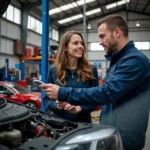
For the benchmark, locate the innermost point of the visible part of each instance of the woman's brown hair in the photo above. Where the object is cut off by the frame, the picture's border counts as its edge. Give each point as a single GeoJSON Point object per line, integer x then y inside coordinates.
{"type": "Point", "coordinates": [84, 69]}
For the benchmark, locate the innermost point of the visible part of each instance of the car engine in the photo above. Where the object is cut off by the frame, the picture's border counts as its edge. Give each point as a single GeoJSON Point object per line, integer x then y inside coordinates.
{"type": "Point", "coordinates": [19, 125]}
{"type": "Point", "coordinates": [25, 128]}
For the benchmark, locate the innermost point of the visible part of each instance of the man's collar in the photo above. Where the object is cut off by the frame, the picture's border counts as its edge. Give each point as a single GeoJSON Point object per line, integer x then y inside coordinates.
{"type": "Point", "coordinates": [117, 55]}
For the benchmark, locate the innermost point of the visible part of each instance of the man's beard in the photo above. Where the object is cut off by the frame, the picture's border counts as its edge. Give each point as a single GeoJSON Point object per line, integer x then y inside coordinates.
{"type": "Point", "coordinates": [112, 48]}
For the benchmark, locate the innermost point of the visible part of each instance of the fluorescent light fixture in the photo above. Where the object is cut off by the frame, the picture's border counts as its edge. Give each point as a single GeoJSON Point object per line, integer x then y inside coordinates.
{"type": "Point", "coordinates": [66, 7]}
{"type": "Point", "coordinates": [54, 11]}
{"type": "Point", "coordinates": [76, 17]}
{"type": "Point", "coordinates": [64, 20]}
{"type": "Point", "coordinates": [81, 2]}
{"type": "Point", "coordinates": [111, 5]}
{"type": "Point", "coordinates": [69, 6]}
{"type": "Point", "coordinates": [79, 16]}
{"type": "Point", "coordinates": [117, 3]}
{"type": "Point", "coordinates": [93, 11]}
{"type": "Point", "coordinates": [123, 2]}
{"type": "Point", "coordinates": [74, 4]}
{"type": "Point", "coordinates": [70, 19]}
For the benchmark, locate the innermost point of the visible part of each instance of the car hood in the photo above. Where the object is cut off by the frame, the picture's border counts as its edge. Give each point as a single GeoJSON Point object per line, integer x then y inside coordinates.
{"type": "Point", "coordinates": [34, 94]}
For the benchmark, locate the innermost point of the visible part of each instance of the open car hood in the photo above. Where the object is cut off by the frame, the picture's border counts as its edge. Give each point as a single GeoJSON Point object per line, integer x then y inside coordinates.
{"type": "Point", "coordinates": [3, 6]}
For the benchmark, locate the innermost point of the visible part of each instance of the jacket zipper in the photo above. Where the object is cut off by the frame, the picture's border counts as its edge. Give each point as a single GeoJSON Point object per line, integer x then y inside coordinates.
{"type": "Point", "coordinates": [72, 78]}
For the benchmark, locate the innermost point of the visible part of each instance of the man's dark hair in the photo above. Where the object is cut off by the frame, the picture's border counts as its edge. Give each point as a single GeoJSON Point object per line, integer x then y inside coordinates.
{"type": "Point", "coordinates": [115, 21]}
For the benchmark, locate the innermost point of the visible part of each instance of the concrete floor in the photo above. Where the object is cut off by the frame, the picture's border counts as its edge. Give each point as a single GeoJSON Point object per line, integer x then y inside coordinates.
{"type": "Point", "coordinates": [147, 145]}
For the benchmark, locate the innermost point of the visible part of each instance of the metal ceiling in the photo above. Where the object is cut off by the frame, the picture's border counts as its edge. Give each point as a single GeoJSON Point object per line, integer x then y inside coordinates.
{"type": "Point", "coordinates": [137, 6]}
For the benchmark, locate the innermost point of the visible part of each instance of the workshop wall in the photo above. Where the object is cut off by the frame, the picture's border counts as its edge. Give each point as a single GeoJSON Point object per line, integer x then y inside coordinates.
{"type": "Point", "coordinates": [10, 30]}
{"type": "Point", "coordinates": [12, 60]}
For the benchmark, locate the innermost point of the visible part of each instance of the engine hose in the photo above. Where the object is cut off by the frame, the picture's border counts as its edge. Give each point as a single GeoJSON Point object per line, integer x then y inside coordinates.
{"type": "Point", "coordinates": [40, 130]}
{"type": "Point", "coordinates": [43, 124]}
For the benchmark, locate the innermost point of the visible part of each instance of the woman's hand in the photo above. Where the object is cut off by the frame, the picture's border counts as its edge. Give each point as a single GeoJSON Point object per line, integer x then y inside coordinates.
{"type": "Point", "coordinates": [72, 108]}
{"type": "Point", "coordinates": [60, 105]}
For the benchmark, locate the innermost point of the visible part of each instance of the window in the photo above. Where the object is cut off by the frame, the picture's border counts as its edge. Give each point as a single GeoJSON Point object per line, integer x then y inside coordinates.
{"type": "Point", "coordinates": [96, 47]}
{"type": "Point", "coordinates": [13, 14]}
{"type": "Point", "coordinates": [142, 45]}
{"type": "Point", "coordinates": [37, 26]}
{"type": "Point", "coordinates": [40, 27]}
{"type": "Point", "coordinates": [138, 45]}
{"type": "Point", "coordinates": [10, 13]}
{"type": "Point", "coordinates": [2, 90]}
{"type": "Point", "coordinates": [55, 35]}
{"type": "Point", "coordinates": [4, 15]}
{"type": "Point", "coordinates": [17, 16]}
{"type": "Point", "coordinates": [29, 22]}
{"type": "Point", "coordinates": [145, 45]}
{"type": "Point", "coordinates": [34, 24]}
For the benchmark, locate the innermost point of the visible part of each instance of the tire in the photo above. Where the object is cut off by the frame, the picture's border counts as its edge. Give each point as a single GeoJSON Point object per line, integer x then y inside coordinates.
{"type": "Point", "coordinates": [31, 104]}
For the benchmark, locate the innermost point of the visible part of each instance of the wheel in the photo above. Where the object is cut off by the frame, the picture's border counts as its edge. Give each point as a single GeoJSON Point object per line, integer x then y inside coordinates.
{"type": "Point", "coordinates": [31, 104]}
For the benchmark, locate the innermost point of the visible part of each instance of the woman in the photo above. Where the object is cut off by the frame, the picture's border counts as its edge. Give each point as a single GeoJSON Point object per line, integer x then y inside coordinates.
{"type": "Point", "coordinates": [71, 69]}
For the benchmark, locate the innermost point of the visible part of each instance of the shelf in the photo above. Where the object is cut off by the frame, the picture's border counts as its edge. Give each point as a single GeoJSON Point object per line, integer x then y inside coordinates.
{"type": "Point", "coordinates": [37, 58]}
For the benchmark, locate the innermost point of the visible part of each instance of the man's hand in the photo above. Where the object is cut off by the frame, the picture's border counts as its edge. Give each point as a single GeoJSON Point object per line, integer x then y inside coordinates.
{"type": "Point", "coordinates": [72, 108]}
{"type": "Point", "coordinates": [51, 90]}
{"type": "Point", "coordinates": [60, 105]}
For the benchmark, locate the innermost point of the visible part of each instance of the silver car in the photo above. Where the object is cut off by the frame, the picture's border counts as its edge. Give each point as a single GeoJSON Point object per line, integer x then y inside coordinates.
{"type": "Point", "coordinates": [26, 128]}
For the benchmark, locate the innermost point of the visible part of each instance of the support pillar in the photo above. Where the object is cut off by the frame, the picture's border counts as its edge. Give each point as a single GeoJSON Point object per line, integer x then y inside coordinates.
{"type": "Point", "coordinates": [45, 43]}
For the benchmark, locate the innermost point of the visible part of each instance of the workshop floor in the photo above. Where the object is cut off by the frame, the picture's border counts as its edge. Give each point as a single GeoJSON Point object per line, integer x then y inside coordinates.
{"type": "Point", "coordinates": [95, 120]}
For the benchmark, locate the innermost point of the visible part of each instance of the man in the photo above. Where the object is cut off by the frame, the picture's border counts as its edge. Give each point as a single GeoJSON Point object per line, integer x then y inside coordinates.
{"type": "Point", "coordinates": [124, 95]}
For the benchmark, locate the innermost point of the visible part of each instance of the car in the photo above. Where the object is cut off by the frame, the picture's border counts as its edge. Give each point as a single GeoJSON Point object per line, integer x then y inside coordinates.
{"type": "Point", "coordinates": [16, 92]}
{"type": "Point", "coordinates": [26, 128]}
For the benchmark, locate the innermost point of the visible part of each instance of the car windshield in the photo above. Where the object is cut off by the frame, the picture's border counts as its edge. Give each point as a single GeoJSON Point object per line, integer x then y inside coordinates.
{"type": "Point", "coordinates": [18, 88]}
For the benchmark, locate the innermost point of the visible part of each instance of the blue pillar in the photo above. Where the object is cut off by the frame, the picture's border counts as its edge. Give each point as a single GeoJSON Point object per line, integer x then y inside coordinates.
{"type": "Point", "coordinates": [45, 43]}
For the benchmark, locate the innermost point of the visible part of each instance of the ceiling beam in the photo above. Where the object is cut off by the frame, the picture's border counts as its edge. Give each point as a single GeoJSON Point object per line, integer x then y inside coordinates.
{"type": "Point", "coordinates": [142, 19]}
{"type": "Point", "coordinates": [55, 21]}
{"type": "Point", "coordinates": [81, 10]}
{"type": "Point", "coordinates": [100, 16]}
{"type": "Point", "coordinates": [136, 5]}
{"type": "Point", "coordinates": [100, 4]}
{"type": "Point", "coordinates": [33, 5]}
{"type": "Point", "coordinates": [103, 15]}
{"type": "Point", "coordinates": [57, 6]}
{"type": "Point", "coordinates": [147, 14]}
{"type": "Point", "coordinates": [147, 4]}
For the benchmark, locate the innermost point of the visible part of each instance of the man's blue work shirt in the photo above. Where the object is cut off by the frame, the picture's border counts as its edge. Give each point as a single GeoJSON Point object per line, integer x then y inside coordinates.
{"type": "Point", "coordinates": [124, 95]}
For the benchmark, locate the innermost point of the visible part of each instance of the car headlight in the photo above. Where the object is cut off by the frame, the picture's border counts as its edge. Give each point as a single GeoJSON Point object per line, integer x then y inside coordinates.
{"type": "Point", "coordinates": [102, 139]}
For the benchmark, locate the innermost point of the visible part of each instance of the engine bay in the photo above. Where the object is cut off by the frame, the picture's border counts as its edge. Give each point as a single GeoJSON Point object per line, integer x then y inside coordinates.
{"type": "Point", "coordinates": [27, 128]}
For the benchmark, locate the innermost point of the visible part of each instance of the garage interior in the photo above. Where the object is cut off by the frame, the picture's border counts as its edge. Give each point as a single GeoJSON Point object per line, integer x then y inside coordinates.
{"type": "Point", "coordinates": [21, 35]}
